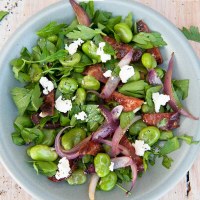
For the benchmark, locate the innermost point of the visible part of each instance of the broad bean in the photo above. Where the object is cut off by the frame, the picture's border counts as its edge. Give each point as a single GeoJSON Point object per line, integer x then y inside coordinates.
{"type": "Point", "coordinates": [68, 85]}
{"type": "Point", "coordinates": [77, 178]}
{"type": "Point", "coordinates": [108, 182]}
{"type": "Point", "coordinates": [90, 83]}
{"type": "Point", "coordinates": [165, 135]}
{"type": "Point", "coordinates": [80, 96]}
{"type": "Point", "coordinates": [136, 127]}
{"type": "Point", "coordinates": [78, 77]}
{"type": "Point", "coordinates": [70, 60]}
{"type": "Point", "coordinates": [148, 61]}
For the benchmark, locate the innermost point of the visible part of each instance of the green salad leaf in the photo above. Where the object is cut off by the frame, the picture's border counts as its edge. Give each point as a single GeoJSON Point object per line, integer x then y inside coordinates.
{"type": "Point", "coordinates": [188, 139]}
{"type": "Point", "coordinates": [192, 33]}
{"type": "Point", "coordinates": [88, 7]}
{"type": "Point", "coordinates": [170, 146]}
{"type": "Point", "coordinates": [129, 20]}
{"type": "Point", "coordinates": [3, 14]}
{"type": "Point", "coordinates": [181, 87]}
{"type": "Point", "coordinates": [167, 161]}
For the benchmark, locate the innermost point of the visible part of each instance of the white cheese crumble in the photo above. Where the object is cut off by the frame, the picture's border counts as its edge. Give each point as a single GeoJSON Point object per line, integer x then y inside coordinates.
{"type": "Point", "coordinates": [111, 167]}
{"type": "Point", "coordinates": [63, 105]}
{"type": "Point", "coordinates": [81, 115]}
{"type": "Point", "coordinates": [126, 72]}
{"type": "Point", "coordinates": [107, 74]}
{"type": "Point", "coordinates": [47, 85]}
{"type": "Point", "coordinates": [159, 100]}
{"type": "Point", "coordinates": [43, 114]}
{"type": "Point", "coordinates": [63, 169]}
{"type": "Point", "coordinates": [104, 57]}
{"type": "Point", "coordinates": [72, 48]}
{"type": "Point", "coordinates": [140, 147]}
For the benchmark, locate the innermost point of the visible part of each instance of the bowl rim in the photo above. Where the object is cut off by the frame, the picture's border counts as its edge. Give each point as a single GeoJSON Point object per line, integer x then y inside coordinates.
{"type": "Point", "coordinates": [168, 184]}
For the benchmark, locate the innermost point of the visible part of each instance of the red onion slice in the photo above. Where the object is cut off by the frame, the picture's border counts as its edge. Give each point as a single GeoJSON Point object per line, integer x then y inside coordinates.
{"type": "Point", "coordinates": [81, 15]}
{"type": "Point", "coordinates": [177, 107]}
{"type": "Point", "coordinates": [92, 186]}
{"type": "Point", "coordinates": [153, 78]}
{"type": "Point", "coordinates": [113, 82]}
{"type": "Point", "coordinates": [116, 112]}
{"type": "Point", "coordinates": [119, 133]}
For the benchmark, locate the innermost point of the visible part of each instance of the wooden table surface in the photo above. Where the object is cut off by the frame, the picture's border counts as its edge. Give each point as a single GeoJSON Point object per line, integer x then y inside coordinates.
{"type": "Point", "coordinates": [179, 12]}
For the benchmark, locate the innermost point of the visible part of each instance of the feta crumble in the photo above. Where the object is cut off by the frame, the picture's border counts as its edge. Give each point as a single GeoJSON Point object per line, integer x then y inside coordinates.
{"type": "Point", "coordinates": [140, 147]}
{"type": "Point", "coordinates": [104, 57]}
{"type": "Point", "coordinates": [63, 105]}
{"type": "Point", "coordinates": [63, 169]}
{"type": "Point", "coordinates": [43, 114]}
{"type": "Point", "coordinates": [81, 115]}
{"type": "Point", "coordinates": [159, 100]}
{"type": "Point", "coordinates": [47, 85]}
{"type": "Point", "coordinates": [107, 74]}
{"type": "Point", "coordinates": [111, 167]}
{"type": "Point", "coordinates": [126, 72]}
{"type": "Point", "coordinates": [72, 48]}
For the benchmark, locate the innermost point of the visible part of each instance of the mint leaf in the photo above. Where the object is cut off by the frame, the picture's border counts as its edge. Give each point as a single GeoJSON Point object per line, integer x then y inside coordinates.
{"type": "Point", "coordinates": [149, 40]}
{"type": "Point", "coordinates": [3, 14]}
{"type": "Point", "coordinates": [192, 33]}
{"type": "Point", "coordinates": [50, 29]}
{"type": "Point", "coordinates": [84, 32]}
{"type": "Point", "coordinates": [22, 98]}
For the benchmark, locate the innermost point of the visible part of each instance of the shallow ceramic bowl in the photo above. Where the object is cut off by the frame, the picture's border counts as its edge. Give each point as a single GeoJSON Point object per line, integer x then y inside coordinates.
{"type": "Point", "coordinates": [158, 180]}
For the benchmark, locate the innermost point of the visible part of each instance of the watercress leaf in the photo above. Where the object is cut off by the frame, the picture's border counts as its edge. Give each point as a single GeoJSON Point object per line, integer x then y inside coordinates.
{"type": "Point", "coordinates": [112, 22]}
{"type": "Point", "coordinates": [89, 8]}
{"type": "Point", "coordinates": [22, 98]}
{"type": "Point", "coordinates": [71, 27]}
{"type": "Point", "coordinates": [22, 121]}
{"type": "Point", "coordinates": [149, 40]}
{"type": "Point", "coordinates": [129, 20]}
{"type": "Point", "coordinates": [36, 100]}
{"type": "Point", "coordinates": [101, 17]}
{"type": "Point", "coordinates": [170, 146]}
{"type": "Point", "coordinates": [124, 174]}
{"type": "Point", "coordinates": [146, 160]}
{"type": "Point", "coordinates": [126, 118]}
{"type": "Point", "coordinates": [17, 66]}
{"type": "Point", "coordinates": [181, 87]}
{"type": "Point", "coordinates": [192, 33]}
{"type": "Point", "coordinates": [25, 54]}
{"type": "Point", "coordinates": [17, 139]}
{"type": "Point", "coordinates": [167, 161]}
{"type": "Point", "coordinates": [3, 14]}
{"type": "Point", "coordinates": [188, 139]}
{"type": "Point", "coordinates": [50, 29]}
{"type": "Point", "coordinates": [84, 32]}
{"type": "Point", "coordinates": [46, 168]}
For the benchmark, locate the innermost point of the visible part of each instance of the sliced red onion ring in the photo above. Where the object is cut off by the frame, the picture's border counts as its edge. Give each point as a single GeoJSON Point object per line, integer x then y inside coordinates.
{"type": "Point", "coordinates": [113, 82]}
{"type": "Point", "coordinates": [177, 107]}
{"type": "Point", "coordinates": [106, 113]}
{"type": "Point", "coordinates": [116, 112]}
{"type": "Point", "coordinates": [94, 92]}
{"type": "Point", "coordinates": [125, 161]}
{"type": "Point", "coordinates": [153, 77]}
{"type": "Point", "coordinates": [119, 133]}
{"type": "Point", "coordinates": [92, 186]}
{"type": "Point", "coordinates": [81, 15]}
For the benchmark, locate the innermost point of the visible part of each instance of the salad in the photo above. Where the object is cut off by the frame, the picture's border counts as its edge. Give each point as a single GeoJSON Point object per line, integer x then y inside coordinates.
{"type": "Point", "coordinates": [97, 100]}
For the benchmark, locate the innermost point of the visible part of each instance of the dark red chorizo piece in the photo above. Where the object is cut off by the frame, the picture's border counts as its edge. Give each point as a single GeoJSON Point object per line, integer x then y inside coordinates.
{"type": "Point", "coordinates": [96, 71]}
{"type": "Point", "coordinates": [91, 148]}
{"type": "Point", "coordinates": [137, 159]}
{"type": "Point", "coordinates": [142, 27]}
{"type": "Point", "coordinates": [164, 121]}
{"type": "Point", "coordinates": [122, 49]}
{"type": "Point", "coordinates": [47, 107]}
{"type": "Point", "coordinates": [129, 103]}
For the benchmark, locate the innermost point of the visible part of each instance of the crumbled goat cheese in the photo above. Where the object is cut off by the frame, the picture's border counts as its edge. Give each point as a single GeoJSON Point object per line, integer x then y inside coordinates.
{"type": "Point", "coordinates": [104, 57]}
{"type": "Point", "coordinates": [111, 167]}
{"type": "Point", "coordinates": [63, 169]}
{"type": "Point", "coordinates": [63, 105]}
{"type": "Point", "coordinates": [107, 74]}
{"type": "Point", "coordinates": [126, 72]}
{"type": "Point", "coordinates": [43, 114]}
{"type": "Point", "coordinates": [140, 147]}
{"type": "Point", "coordinates": [159, 100]}
{"type": "Point", "coordinates": [47, 85]}
{"type": "Point", "coordinates": [72, 48]}
{"type": "Point", "coordinates": [81, 115]}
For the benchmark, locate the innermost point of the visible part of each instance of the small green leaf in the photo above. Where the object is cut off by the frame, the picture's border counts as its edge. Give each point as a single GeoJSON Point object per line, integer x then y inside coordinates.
{"type": "Point", "coordinates": [129, 20]}
{"type": "Point", "coordinates": [192, 33]}
{"type": "Point", "coordinates": [146, 160]}
{"type": "Point", "coordinates": [36, 100]}
{"type": "Point", "coordinates": [3, 14]}
{"type": "Point", "coordinates": [167, 161]}
{"type": "Point", "coordinates": [188, 139]}
{"type": "Point", "coordinates": [170, 146]}
{"type": "Point", "coordinates": [181, 87]}
{"type": "Point", "coordinates": [32, 135]}
{"type": "Point", "coordinates": [17, 139]}
{"type": "Point", "coordinates": [88, 7]}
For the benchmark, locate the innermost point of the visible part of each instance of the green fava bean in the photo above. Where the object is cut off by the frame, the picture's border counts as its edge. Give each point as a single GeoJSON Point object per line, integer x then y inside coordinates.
{"type": "Point", "coordinates": [148, 61]}
{"type": "Point", "coordinates": [77, 178]}
{"type": "Point", "coordinates": [80, 96]}
{"type": "Point", "coordinates": [124, 32]}
{"type": "Point", "coordinates": [43, 153]}
{"type": "Point", "coordinates": [150, 135]}
{"type": "Point", "coordinates": [102, 164]}
{"type": "Point", "coordinates": [165, 135]}
{"type": "Point", "coordinates": [78, 77]}
{"type": "Point", "coordinates": [90, 49]}
{"type": "Point", "coordinates": [49, 137]}
{"type": "Point", "coordinates": [90, 83]}
{"type": "Point", "coordinates": [68, 85]}
{"type": "Point", "coordinates": [70, 60]}
{"type": "Point", "coordinates": [72, 137]}
{"type": "Point", "coordinates": [35, 72]}
{"type": "Point", "coordinates": [136, 127]}
{"type": "Point", "coordinates": [147, 109]}
{"type": "Point", "coordinates": [108, 182]}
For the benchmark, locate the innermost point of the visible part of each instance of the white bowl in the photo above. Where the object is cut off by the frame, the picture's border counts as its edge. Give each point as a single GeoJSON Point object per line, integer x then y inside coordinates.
{"type": "Point", "coordinates": [158, 180]}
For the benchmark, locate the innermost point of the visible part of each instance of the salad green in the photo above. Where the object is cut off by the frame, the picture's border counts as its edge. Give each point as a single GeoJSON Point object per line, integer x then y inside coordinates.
{"type": "Point", "coordinates": [88, 106]}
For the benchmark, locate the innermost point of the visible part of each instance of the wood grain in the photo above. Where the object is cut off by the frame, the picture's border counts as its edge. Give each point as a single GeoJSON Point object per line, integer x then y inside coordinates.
{"type": "Point", "coordinates": [179, 12]}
